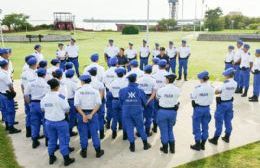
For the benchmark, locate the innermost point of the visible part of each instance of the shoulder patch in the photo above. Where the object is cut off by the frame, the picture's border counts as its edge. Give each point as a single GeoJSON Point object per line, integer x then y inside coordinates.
{"type": "Point", "coordinates": [62, 96]}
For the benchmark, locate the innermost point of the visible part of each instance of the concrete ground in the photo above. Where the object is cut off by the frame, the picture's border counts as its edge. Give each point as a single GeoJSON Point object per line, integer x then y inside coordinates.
{"type": "Point", "coordinates": [246, 129]}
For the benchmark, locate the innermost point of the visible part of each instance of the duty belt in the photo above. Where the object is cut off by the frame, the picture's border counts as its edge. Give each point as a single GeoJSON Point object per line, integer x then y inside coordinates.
{"type": "Point", "coordinates": [175, 108]}
{"type": "Point", "coordinates": [71, 99]}
{"type": "Point", "coordinates": [36, 101]}
{"type": "Point", "coordinates": [244, 68]}
{"type": "Point", "coordinates": [173, 58]}
{"type": "Point", "coordinates": [257, 72]}
{"type": "Point", "coordinates": [116, 98]}
{"type": "Point", "coordinates": [72, 58]}
{"type": "Point", "coordinates": [228, 62]}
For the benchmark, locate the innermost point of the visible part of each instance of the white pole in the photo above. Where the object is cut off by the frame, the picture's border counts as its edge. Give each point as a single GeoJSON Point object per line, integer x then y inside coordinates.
{"type": "Point", "coordinates": [182, 13]}
{"type": "Point", "coordinates": [1, 31]}
{"type": "Point", "coordinates": [148, 18]}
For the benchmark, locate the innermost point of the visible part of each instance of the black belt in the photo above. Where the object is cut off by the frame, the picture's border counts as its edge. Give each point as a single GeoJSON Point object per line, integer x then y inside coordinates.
{"type": "Point", "coordinates": [257, 72]}
{"type": "Point", "coordinates": [244, 68]}
{"type": "Point", "coordinates": [36, 101]}
{"type": "Point", "coordinates": [228, 62]}
{"type": "Point", "coordinates": [144, 57]}
{"type": "Point", "coordinates": [130, 59]}
{"type": "Point", "coordinates": [4, 94]}
{"type": "Point", "coordinates": [72, 58]}
{"type": "Point", "coordinates": [175, 108]}
{"type": "Point", "coordinates": [218, 100]}
{"type": "Point", "coordinates": [173, 58]}
{"type": "Point", "coordinates": [115, 98]}
{"type": "Point", "coordinates": [87, 111]}
{"type": "Point", "coordinates": [149, 95]}
{"type": "Point", "coordinates": [202, 106]}
{"type": "Point", "coordinates": [183, 58]}
{"type": "Point", "coordinates": [71, 99]}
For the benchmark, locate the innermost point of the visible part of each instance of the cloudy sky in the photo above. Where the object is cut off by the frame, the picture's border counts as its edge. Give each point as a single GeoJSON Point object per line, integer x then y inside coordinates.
{"type": "Point", "coordinates": [121, 9]}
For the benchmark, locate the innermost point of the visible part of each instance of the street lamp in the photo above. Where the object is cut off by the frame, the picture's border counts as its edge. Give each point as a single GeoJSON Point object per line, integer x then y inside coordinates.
{"type": "Point", "coordinates": [148, 20]}
{"type": "Point", "coordinates": [1, 30]}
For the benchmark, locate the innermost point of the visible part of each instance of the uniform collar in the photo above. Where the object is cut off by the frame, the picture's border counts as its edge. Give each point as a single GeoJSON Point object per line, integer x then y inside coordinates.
{"type": "Point", "coordinates": [133, 84]}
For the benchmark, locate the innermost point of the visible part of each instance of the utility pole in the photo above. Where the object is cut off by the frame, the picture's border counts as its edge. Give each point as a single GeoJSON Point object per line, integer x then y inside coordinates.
{"type": "Point", "coordinates": [1, 30]}
{"type": "Point", "coordinates": [148, 21]}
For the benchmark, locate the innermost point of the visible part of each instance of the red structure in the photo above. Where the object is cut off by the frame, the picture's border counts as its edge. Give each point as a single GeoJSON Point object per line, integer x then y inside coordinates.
{"type": "Point", "coordinates": [63, 20]}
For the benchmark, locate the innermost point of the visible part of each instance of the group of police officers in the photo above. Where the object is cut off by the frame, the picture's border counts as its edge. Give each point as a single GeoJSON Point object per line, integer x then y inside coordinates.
{"type": "Point", "coordinates": [128, 95]}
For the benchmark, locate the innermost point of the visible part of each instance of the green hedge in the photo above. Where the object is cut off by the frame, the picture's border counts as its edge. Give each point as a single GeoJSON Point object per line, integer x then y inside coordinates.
{"type": "Point", "coordinates": [130, 30]}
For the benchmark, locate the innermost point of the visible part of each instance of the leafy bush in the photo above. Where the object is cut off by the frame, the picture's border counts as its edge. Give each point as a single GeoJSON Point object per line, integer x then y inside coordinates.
{"type": "Point", "coordinates": [130, 30]}
{"type": "Point", "coordinates": [255, 26]}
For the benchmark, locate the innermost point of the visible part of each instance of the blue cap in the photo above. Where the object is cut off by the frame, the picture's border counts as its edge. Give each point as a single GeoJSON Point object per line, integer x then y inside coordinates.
{"type": "Point", "coordinates": [156, 60]}
{"type": "Point", "coordinates": [231, 47]}
{"type": "Point", "coordinates": [246, 46]}
{"type": "Point", "coordinates": [43, 64]}
{"type": "Point", "coordinates": [162, 63]}
{"type": "Point", "coordinates": [69, 73]}
{"type": "Point", "coordinates": [4, 51]}
{"type": "Point", "coordinates": [94, 57]}
{"type": "Point", "coordinates": [240, 42]}
{"type": "Point", "coordinates": [134, 63]}
{"type": "Point", "coordinates": [132, 77]}
{"type": "Point", "coordinates": [113, 61]}
{"type": "Point", "coordinates": [41, 72]}
{"type": "Point", "coordinates": [37, 46]}
{"type": "Point", "coordinates": [148, 68]}
{"type": "Point", "coordinates": [257, 51]}
{"type": "Point", "coordinates": [55, 61]}
{"type": "Point", "coordinates": [68, 65]}
{"type": "Point", "coordinates": [228, 72]}
{"type": "Point", "coordinates": [3, 63]}
{"type": "Point", "coordinates": [203, 74]}
{"type": "Point", "coordinates": [171, 76]}
{"type": "Point", "coordinates": [58, 73]}
{"type": "Point", "coordinates": [8, 50]}
{"type": "Point", "coordinates": [93, 69]}
{"type": "Point", "coordinates": [28, 57]}
{"type": "Point", "coordinates": [120, 70]}
{"type": "Point", "coordinates": [183, 41]}
{"type": "Point", "coordinates": [32, 61]}
{"type": "Point", "coordinates": [85, 78]}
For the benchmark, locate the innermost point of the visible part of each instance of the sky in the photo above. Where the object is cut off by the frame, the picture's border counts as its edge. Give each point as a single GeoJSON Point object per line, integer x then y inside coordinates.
{"type": "Point", "coordinates": [121, 9]}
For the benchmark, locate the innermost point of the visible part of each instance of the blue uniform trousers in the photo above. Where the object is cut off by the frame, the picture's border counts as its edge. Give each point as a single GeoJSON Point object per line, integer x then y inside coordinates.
{"type": "Point", "coordinates": [200, 122]}
{"type": "Point", "coordinates": [27, 114]}
{"type": "Point", "coordinates": [101, 114]}
{"type": "Point", "coordinates": [183, 66]}
{"type": "Point", "coordinates": [37, 119]}
{"type": "Point", "coordinates": [173, 65]}
{"type": "Point", "coordinates": [256, 84]}
{"type": "Point", "coordinates": [148, 114]}
{"type": "Point", "coordinates": [8, 110]}
{"type": "Point", "coordinates": [224, 113]}
{"type": "Point", "coordinates": [166, 119]}
{"type": "Point", "coordinates": [237, 73]}
{"type": "Point", "coordinates": [62, 64]}
{"type": "Point", "coordinates": [75, 62]}
{"type": "Point", "coordinates": [58, 130]}
{"type": "Point", "coordinates": [3, 107]}
{"type": "Point", "coordinates": [155, 110]}
{"type": "Point", "coordinates": [108, 60]}
{"type": "Point", "coordinates": [133, 117]}
{"type": "Point", "coordinates": [244, 78]}
{"type": "Point", "coordinates": [143, 62]}
{"type": "Point", "coordinates": [228, 65]}
{"type": "Point", "coordinates": [108, 106]}
{"type": "Point", "coordinates": [72, 114]}
{"type": "Point", "coordinates": [91, 126]}
{"type": "Point", "coordinates": [117, 114]}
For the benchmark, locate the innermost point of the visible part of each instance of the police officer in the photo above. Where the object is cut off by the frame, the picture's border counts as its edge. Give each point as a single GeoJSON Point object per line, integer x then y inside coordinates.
{"type": "Point", "coordinates": [72, 51]}
{"type": "Point", "coordinates": [171, 51]}
{"type": "Point", "coordinates": [28, 75]}
{"type": "Point", "coordinates": [109, 76]}
{"type": "Point", "coordinates": [168, 107]}
{"type": "Point", "coordinates": [148, 84]}
{"type": "Point", "coordinates": [144, 55]}
{"type": "Point", "coordinates": [119, 83]}
{"type": "Point", "coordinates": [61, 55]}
{"type": "Point", "coordinates": [95, 63]}
{"type": "Point", "coordinates": [160, 79]}
{"type": "Point", "coordinates": [133, 100]}
{"type": "Point", "coordinates": [156, 50]}
{"type": "Point", "coordinates": [110, 51]}
{"type": "Point", "coordinates": [245, 69]}
{"type": "Point", "coordinates": [237, 60]}
{"type": "Point", "coordinates": [7, 95]}
{"type": "Point", "coordinates": [131, 53]}
{"type": "Point", "coordinates": [256, 72]}
{"type": "Point", "coordinates": [224, 111]}
{"type": "Point", "coordinates": [58, 74]}
{"type": "Point", "coordinates": [163, 55]}
{"type": "Point", "coordinates": [155, 65]}
{"type": "Point", "coordinates": [54, 107]}
{"type": "Point", "coordinates": [202, 98]}
{"type": "Point", "coordinates": [87, 102]}
{"type": "Point", "coordinates": [183, 56]}
{"type": "Point", "coordinates": [38, 52]}
{"type": "Point", "coordinates": [5, 54]}
{"type": "Point", "coordinates": [55, 64]}
{"type": "Point", "coordinates": [122, 58]}
{"type": "Point", "coordinates": [134, 69]}
{"type": "Point", "coordinates": [229, 60]}
{"type": "Point", "coordinates": [33, 93]}
{"type": "Point", "coordinates": [71, 87]}
{"type": "Point", "coordinates": [43, 64]}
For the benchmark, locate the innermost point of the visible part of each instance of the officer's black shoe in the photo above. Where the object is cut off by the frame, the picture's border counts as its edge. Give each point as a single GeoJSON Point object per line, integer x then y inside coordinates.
{"type": "Point", "coordinates": [41, 137]}
{"type": "Point", "coordinates": [202, 145]}
{"type": "Point", "coordinates": [28, 132]}
{"type": "Point", "coordinates": [101, 134]}
{"type": "Point", "coordinates": [238, 90]}
{"type": "Point", "coordinates": [251, 97]}
{"type": "Point", "coordinates": [46, 141]}
{"type": "Point", "coordinates": [108, 125]}
{"type": "Point", "coordinates": [114, 135]}
{"type": "Point", "coordinates": [214, 140]}
{"type": "Point", "coordinates": [35, 143]}
{"type": "Point", "coordinates": [179, 78]}
{"type": "Point", "coordinates": [254, 99]}
{"type": "Point", "coordinates": [148, 133]}
{"type": "Point", "coordinates": [245, 93]}
{"type": "Point", "coordinates": [185, 78]}
{"type": "Point", "coordinates": [16, 122]}
{"type": "Point", "coordinates": [72, 134]}
{"type": "Point", "coordinates": [225, 138]}
{"type": "Point", "coordinates": [6, 126]}
{"type": "Point", "coordinates": [196, 146]}
{"type": "Point", "coordinates": [120, 126]}
{"type": "Point", "coordinates": [68, 160]}
{"type": "Point", "coordinates": [71, 149]}
{"type": "Point", "coordinates": [154, 128]}
{"type": "Point", "coordinates": [99, 152]}
{"type": "Point", "coordinates": [172, 147]}
{"type": "Point", "coordinates": [13, 130]}
{"type": "Point", "coordinates": [52, 159]}
{"type": "Point", "coordinates": [124, 135]}
{"type": "Point", "coordinates": [164, 148]}
{"type": "Point", "coordinates": [146, 145]}
{"type": "Point", "coordinates": [83, 153]}
{"type": "Point", "coordinates": [137, 134]}
{"type": "Point", "coordinates": [132, 147]}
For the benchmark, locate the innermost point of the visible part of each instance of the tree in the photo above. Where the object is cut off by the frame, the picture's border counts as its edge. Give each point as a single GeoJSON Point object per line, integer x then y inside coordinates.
{"type": "Point", "coordinates": [16, 21]}
{"type": "Point", "coordinates": [214, 20]}
{"type": "Point", "coordinates": [167, 24]}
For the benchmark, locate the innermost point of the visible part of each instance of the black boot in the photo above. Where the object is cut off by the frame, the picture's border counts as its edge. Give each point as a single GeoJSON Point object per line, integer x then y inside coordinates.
{"type": "Point", "coordinates": [6, 126]}
{"type": "Point", "coordinates": [13, 130]}
{"type": "Point", "coordinates": [16, 123]}
{"type": "Point", "coordinates": [120, 126]}
{"type": "Point", "coordinates": [214, 140]}
{"type": "Point", "coordinates": [196, 146]}
{"type": "Point", "coordinates": [132, 147]}
{"type": "Point", "coordinates": [101, 134]}
{"type": "Point", "coordinates": [124, 135]}
{"type": "Point", "coordinates": [148, 132]}
{"type": "Point", "coordinates": [99, 152]}
{"type": "Point", "coordinates": [179, 78]}
{"type": "Point", "coordinates": [254, 99]}
{"type": "Point", "coordinates": [154, 128]}
{"type": "Point", "coordinates": [68, 160]}
{"type": "Point", "coordinates": [202, 145]}
{"type": "Point", "coordinates": [71, 149]}
{"type": "Point", "coordinates": [108, 125]}
{"type": "Point", "coordinates": [114, 135]}
{"type": "Point", "coordinates": [72, 133]}
{"type": "Point", "coordinates": [28, 132]}
{"type": "Point", "coordinates": [238, 90]}
{"type": "Point", "coordinates": [83, 153]}
{"type": "Point", "coordinates": [146, 145]}
{"type": "Point", "coordinates": [137, 134]}
{"type": "Point", "coordinates": [226, 138]}
{"type": "Point", "coordinates": [46, 141]}
{"type": "Point", "coordinates": [245, 93]}
{"type": "Point", "coordinates": [164, 148]}
{"type": "Point", "coordinates": [172, 147]}
{"type": "Point", "coordinates": [52, 159]}
{"type": "Point", "coordinates": [35, 143]}
{"type": "Point", "coordinates": [185, 78]}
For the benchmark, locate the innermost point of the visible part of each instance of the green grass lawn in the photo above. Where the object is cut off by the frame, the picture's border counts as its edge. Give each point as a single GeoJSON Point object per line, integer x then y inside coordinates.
{"type": "Point", "coordinates": [205, 55]}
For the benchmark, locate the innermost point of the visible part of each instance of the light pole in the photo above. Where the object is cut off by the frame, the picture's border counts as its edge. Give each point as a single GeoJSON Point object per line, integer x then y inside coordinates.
{"type": "Point", "coordinates": [1, 30]}
{"type": "Point", "coordinates": [182, 12]}
{"type": "Point", "coordinates": [147, 21]}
